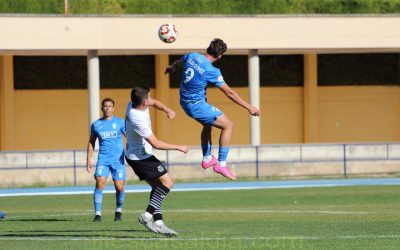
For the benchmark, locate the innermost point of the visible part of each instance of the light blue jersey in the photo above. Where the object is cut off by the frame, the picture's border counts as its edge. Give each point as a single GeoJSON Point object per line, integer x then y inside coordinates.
{"type": "Point", "coordinates": [109, 133]}
{"type": "Point", "coordinates": [111, 157]}
{"type": "Point", "coordinates": [197, 72]}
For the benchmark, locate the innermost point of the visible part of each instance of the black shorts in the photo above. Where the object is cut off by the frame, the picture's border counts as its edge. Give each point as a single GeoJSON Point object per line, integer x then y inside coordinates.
{"type": "Point", "coordinates": [147, 169]}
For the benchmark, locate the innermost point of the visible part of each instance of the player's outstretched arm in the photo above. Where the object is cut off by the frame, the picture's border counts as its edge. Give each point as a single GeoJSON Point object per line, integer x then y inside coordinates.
{"type": "Point", "coordinates": [231, 94]}
{"type": "Point", "coordinates": [89, 152]}
{"type": "Point", "coordinates": [159, 105]}
{"type": "Point", "coordinates": [158, 144]}
{"type": "Point", "coordinates": [174, 66]}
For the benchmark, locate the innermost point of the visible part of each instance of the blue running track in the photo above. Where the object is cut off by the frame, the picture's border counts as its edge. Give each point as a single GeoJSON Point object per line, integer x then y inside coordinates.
{"type": "Point", "coordinates": [229, 185]}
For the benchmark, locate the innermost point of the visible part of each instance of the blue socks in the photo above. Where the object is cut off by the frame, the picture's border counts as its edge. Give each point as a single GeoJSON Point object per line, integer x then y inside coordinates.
{"type": "Point", "coordinates": [119, 198]}
{"type": "Point", "coordinates": [222, 155]}
{"type": "Point", "coordinates": [98, 200]}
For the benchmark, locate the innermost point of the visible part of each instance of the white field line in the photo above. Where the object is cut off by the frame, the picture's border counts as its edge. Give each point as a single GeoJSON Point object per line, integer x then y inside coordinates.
{"type": "Point", "coordinates": [175, 190]}
{"type": "Point", "coordinates": [89, 212]}
{"type": "Point", "coordinates": [66, 238]}
{"type": "Point", "coordinates": [266, 211]}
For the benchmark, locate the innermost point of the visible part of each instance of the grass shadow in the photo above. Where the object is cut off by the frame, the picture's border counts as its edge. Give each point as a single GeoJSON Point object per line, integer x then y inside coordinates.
{"type": "Point", "coordinates": [84, 234]}
{"type": "Point", "coordinates": [40, 219]}
{"type": "Point", "coordinates": [34, 235]}
{"type": "Point", "coordinates": [79, 231]}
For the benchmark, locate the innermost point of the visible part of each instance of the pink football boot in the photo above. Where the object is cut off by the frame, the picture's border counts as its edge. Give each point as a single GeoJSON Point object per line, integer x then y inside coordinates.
{"type": "Point", "coordinates": [224, 171]}
{"type": "Point", "coordinates": [212, 162]}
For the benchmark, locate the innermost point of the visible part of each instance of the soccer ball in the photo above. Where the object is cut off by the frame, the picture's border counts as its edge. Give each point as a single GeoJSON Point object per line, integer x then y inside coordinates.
{"type": "Point", "coordinates": [167, 33]}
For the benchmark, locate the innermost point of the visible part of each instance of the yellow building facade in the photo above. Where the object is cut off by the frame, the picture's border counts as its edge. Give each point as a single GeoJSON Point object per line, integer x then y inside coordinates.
{"type": "Point", "coordinates": [58, 119]}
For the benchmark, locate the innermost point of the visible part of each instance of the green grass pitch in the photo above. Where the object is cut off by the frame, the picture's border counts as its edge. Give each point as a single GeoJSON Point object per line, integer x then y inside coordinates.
{"type": "Point", "coordinates": [365, 217]}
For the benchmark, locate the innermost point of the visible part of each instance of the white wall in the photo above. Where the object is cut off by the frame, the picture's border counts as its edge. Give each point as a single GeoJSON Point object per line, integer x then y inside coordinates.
{"type": "Point", "coordinates": [274, 160]}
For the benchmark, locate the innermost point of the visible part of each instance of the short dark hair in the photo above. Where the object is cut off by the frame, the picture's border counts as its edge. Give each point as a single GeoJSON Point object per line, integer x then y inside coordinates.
{"type": "Point", "coordinates": [138, 94]}
{"type": "Point", "coordinates": [217, 47]}
{"type": "Point", "coordinates": [107, 100]}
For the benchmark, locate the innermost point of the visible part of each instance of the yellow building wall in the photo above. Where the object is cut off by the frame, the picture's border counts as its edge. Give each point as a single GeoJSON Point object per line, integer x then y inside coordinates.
{"type": "Point", "coordinates": [50, 119]}
{"type": "Point", "coordinates": [281, 115]}
{"type": "Point", "coordinates": [310, 101]}
{"type": "Point", "coordinates": [58, 119]}
{"type": "Point", "coordinates": [358, 114]}
{"type": "Point", "coordinates": [6, 102]}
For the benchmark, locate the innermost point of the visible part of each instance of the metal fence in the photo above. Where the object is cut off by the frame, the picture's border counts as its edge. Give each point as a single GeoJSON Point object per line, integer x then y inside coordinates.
{"type": "Point", "coordinates": [250, 161]}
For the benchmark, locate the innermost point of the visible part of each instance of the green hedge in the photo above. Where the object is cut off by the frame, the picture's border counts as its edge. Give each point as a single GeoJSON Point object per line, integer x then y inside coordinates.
{"type": "Point", "coordinates": [202, 6]}
{"type": "Point", "coordinates": [32, 6]}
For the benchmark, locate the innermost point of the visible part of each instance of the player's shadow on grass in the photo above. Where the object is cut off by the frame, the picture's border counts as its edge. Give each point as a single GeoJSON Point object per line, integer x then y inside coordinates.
{"type": "Point", "coordinates": [77, 234]}
{"type": "Point", "coordinates": [80, 231]}
{"type": "Point", "coordinates": [40, 219]}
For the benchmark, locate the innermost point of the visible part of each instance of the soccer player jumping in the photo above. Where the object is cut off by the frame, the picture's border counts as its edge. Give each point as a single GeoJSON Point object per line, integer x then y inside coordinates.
{"type": "Point", "coordinates": [197, 72]}
{"type": "Point", "coordinates": [109, 129]}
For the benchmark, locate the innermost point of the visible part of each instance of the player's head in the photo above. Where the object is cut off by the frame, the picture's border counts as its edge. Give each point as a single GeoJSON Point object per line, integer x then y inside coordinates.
{"type": "Point", "coordinates": [107, 106]}
{"type": "Point", "coordinates": [217, 48]}
{"type": "Point", "coordinates": [139, 96]}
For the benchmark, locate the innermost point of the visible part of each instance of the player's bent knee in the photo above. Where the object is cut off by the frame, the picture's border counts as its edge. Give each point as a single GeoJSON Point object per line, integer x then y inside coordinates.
{"type": "Point", "coordinates": [167, 181]}
{"type": "Point", "coordinates": [227, 124]}
{"type": "Point", "coordinates": [119, 188]}
{"type": "Point", "coordinates": [100, 183]}
{"type": "Point", "coordinates": [231, 125]}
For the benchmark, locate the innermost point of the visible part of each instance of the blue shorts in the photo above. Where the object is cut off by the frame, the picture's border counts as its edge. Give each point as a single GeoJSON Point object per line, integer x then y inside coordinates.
{"type": "Point", "coordinates": [118, 170]}
{"type": "Point", "coordinates": [201, 111]}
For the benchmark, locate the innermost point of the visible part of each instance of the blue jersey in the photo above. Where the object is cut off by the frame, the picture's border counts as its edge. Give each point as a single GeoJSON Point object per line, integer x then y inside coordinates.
{"type": "Point", "coordinates": [111, 144]}
{"type": "Point", "coordinates": [197, 72]}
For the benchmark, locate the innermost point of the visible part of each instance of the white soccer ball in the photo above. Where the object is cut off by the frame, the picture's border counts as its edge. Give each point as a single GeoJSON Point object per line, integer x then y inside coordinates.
{"type": "Point", "coordinates": [168, 33]}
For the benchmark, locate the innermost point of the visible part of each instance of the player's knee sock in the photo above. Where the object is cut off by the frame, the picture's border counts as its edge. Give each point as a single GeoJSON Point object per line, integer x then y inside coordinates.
{"type": "Point", "coordinates": [147, 213]}
{"type": "Point", "coordinates": [98, 200]}
{"type": "Point", "coordinates": [222, 155]}
{"type": "Point", "coordinates": [206, 148]}
{"type": "Point", "coordinates": [119, 198]}
{"type": "Point", "coordinates": [159, 220]}
{"type": "Point", "coordinates": [154, 207]}
{"type": "Point", "coordinates": [151, 193]}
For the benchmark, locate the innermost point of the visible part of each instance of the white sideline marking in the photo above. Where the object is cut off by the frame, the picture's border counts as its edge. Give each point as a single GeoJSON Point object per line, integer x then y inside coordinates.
{"type": "Point", "coordinates": [89, 212]}
{"type": "Point", "coordinates": [265, 211]}
{"type": "Point", "coordinates": [57, 238]}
